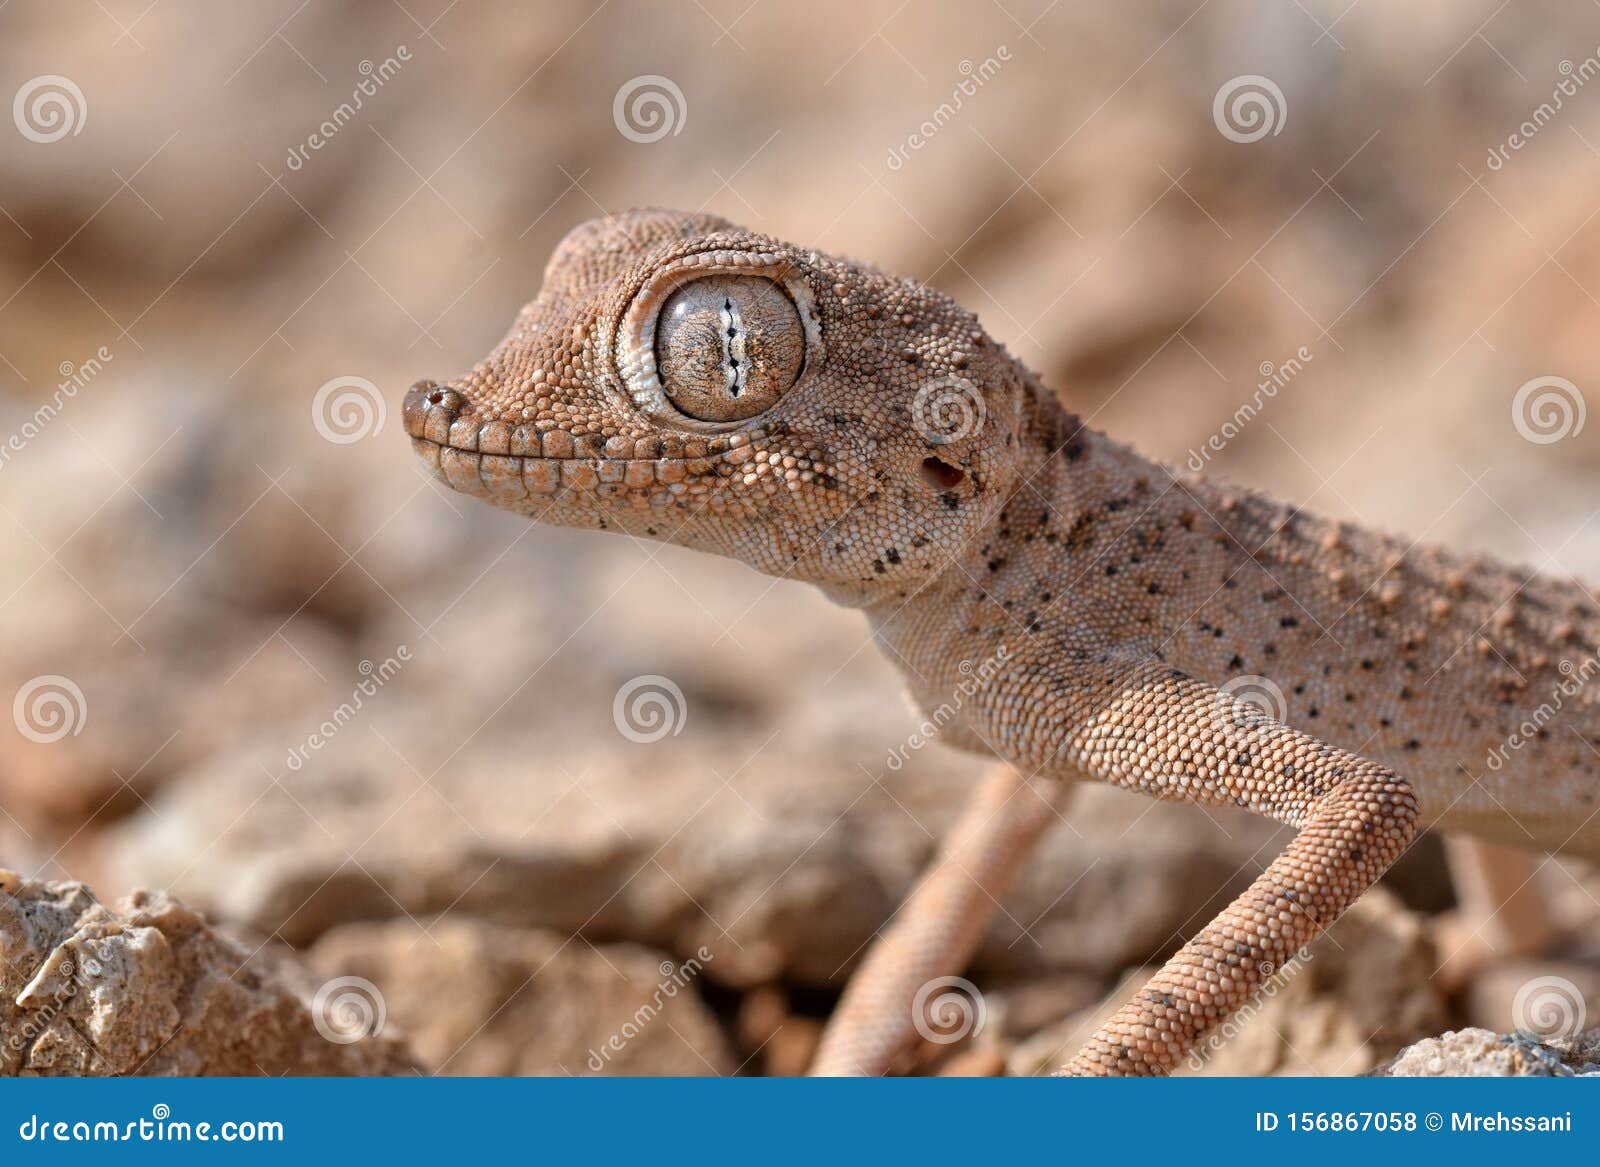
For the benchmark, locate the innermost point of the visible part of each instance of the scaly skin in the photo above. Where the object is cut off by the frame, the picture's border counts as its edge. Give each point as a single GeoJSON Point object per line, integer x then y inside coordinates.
{"type": "Point", "coordinates": [1053, 598]}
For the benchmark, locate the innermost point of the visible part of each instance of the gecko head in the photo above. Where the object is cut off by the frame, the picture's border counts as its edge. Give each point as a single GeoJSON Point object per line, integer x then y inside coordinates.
{"type": "Point", "coordinates": [679, 378]}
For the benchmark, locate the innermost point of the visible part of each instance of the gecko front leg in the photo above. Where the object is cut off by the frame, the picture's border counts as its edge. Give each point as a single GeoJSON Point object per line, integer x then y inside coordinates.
{"type": "Point", "coordinates": [940, 924]}
{"type": "Point", "coordinates": [1136, 722]}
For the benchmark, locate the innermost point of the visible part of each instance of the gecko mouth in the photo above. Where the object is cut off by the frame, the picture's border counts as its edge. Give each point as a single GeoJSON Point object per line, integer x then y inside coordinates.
{"type": "Point", "coordinates": [508, 463]}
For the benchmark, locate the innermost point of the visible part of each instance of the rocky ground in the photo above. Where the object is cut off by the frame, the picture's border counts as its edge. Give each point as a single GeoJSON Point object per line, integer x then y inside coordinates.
{"type": "Point", "coordinates": [149, 987]}
{"type": "Point", "coordinates": [1478, 1053]}
{"type": "Point", "coordinates": [368, 731]}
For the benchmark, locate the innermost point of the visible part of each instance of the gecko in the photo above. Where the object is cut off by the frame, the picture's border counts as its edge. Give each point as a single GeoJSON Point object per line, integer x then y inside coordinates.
{"type": "Point", "coordinates": [1053, 599]}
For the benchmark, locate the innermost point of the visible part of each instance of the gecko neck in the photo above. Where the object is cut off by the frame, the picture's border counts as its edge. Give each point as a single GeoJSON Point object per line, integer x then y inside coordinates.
{"type": "Point", "coordinates": [1009, 582]}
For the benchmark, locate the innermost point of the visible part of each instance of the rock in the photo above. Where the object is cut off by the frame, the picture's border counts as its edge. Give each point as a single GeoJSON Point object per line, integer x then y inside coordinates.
{"type": "Point", "coordinates": [1359, 993]}
{"type": "Point", "coordinates": [149, 988]}
{"type": "Point", "coordinates": [481, 999]}
{"type": "Point", "coordinates": [210, 602]}
{"type": "Point", "coordinates": [1480, 1053]}
{"type": "Point", "coordinates": [784, 865]}
{"type": "Point", "coordinates": [142, 714]}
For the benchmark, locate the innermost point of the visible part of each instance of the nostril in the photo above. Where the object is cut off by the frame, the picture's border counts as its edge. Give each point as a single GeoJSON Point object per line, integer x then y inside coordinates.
{"type": "Point", "coordinates": [436, 397]}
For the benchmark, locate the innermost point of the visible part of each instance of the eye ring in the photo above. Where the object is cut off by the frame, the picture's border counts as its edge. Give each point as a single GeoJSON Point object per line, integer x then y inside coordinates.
{"type": "Point", "coordinates": [635, 339]}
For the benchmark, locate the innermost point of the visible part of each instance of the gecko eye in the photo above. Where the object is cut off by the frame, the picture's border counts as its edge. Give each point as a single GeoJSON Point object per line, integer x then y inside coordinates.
{"type": "Point", "coordinates": [727, 347]}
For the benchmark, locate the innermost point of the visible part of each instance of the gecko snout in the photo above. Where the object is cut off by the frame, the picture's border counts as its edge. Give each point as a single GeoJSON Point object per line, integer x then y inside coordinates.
{"type": "Point", "coordinates": [427, 398]}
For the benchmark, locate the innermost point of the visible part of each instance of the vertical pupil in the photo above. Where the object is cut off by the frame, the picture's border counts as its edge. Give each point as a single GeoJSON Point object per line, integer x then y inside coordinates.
{"type": "Point", "coordinates": [730, 347]}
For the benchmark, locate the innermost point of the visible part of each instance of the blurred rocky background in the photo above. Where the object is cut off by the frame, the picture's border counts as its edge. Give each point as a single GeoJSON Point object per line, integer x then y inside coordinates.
{"type": "Point", "coordinates": [259, 664]}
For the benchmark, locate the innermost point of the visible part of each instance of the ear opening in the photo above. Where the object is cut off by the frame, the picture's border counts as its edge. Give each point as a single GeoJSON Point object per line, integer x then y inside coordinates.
{"type": "Point", "coordinates": [941, 475]}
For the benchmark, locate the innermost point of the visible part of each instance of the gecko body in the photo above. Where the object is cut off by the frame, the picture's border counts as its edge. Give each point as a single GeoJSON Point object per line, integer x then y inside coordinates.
{"type": "Point", "coordinates": [1063, 603]}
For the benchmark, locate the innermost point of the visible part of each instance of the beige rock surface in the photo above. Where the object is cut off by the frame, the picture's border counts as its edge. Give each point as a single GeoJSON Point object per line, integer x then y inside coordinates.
{"type": "Point", "coordinates": [477, 998]}
{"type": "Point", "coordinates": [148, 988]}
{"type": "Point", "coordinates": [785, 868]}
{"type": "Point", "coordinates": [1481, 1053]}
